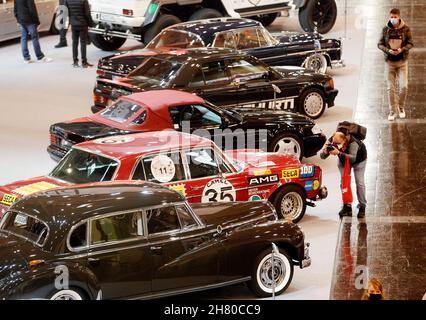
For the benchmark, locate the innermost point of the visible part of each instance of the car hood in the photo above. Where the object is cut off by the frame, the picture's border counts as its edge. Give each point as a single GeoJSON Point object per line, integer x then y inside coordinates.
{"type": "Point", "coordinates": [230, 213]}
{"type": "Point", "coordinates": [292, 37]}
{"type": "Point", "coordinates": [256, 161]}
{"type": "Point", "coordinates": [23, 188]}
{"type": "Point", "coordinates": [83, 129]}
{"type": "Point", "coordinates": [267, 116]}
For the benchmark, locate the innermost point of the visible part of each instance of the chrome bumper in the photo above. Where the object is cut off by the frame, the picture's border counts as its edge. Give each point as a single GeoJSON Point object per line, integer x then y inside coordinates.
{"type": "Point", "coordinates": [338, 64]}
{"type": "Point", "coordinates": [306, 262]}
{"type": "Point", "coordinates": [113, 33]}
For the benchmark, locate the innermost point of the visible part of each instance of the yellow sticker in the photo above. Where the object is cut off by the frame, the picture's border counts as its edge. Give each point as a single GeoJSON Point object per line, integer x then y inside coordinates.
{"type": "Point", "coordinates": [290, 174]}
{"type": "Point", "coordinates": [8, 199]}
{"type": "Point", "coordinates": [262, 172]}
{"type": "Point", "coordinates": [35, 187]}
{"type": "Point", "coordinates": [179, 188]}
{"type": "Point", "coordinates": [316, 185]}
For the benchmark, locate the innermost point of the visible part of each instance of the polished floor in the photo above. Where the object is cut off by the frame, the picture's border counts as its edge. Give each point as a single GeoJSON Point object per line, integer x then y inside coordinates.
{"type": "Point", "coordinates": [390, 244]}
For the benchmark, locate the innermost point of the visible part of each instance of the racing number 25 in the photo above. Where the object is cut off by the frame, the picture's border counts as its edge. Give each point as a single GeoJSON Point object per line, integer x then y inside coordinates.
{"type": "Point", "coordinates": [224, 194]}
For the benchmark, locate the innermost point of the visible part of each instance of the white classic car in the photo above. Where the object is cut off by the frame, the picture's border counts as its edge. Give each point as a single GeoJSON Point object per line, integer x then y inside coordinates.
{"type": "Point", "coordinates": [9, 27]}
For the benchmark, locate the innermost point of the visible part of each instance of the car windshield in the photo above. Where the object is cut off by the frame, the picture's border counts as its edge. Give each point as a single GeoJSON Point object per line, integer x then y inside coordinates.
{"type": "Point", "coordinates": [25, 226]}
{"type": "Point", "coordinates": [157, 71]}
{"type": "Point", "coordinates": [80, 166]}
{"type": "Point", "coordinates": [175, 39]}
{"type": "Point", "coordinates": [121, 111]}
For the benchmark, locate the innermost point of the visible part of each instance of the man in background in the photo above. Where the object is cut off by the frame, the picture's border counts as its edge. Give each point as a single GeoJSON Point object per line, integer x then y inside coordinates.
{"type": "Point", "coordinates": [26, 14]}
{"type": "Point", "coordinates": [80, 20]}
{"type": "Point", "coordinates": [396, 42]}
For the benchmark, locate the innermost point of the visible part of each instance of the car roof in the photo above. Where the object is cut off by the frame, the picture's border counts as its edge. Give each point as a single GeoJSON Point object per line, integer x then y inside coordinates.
{"type": "Point", "coordinates": [73, 204]}
{"type": "Point", "coordinates": [124, 146]}
{"type": "Point", "coordinates": [207, 28]}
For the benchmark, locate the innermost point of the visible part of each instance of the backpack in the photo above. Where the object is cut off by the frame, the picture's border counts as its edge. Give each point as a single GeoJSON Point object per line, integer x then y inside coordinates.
{"type": "Point", "coordinates": [351, 128]}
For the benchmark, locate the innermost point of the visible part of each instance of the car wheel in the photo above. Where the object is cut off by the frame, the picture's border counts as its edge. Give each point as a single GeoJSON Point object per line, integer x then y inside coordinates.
{"type": "Point", "coordinates": [266, 19]}
{"type": "Point", "coordinates": [290, 203]}
{"type": "Point", "coordinates": [312, 103]}
{"type": "Point", "coordinates": [288, 143]}
{"type": "Point", "coordinates": [261, 282]}
{"type": "Point", "coordinates": [106, 43]}
{"type": "Point", "coordinates": [67, 295]}
{"type": "Point", "coordinates": [162, 22]}
{"type": "Point", "coordinates": [321, 12]}
{"type": "Point", "coordinates": [316, 62]}
{"type": "Point", "coordinates": [205, 13]}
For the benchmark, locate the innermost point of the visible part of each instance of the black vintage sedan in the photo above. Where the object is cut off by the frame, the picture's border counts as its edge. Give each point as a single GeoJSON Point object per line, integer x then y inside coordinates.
{"type": "Point", "coordinates": [226, 78]}
{"type": "Point", "coordinates": [309, 50]}
{"type": "Point", "coordinates": [135, 241]}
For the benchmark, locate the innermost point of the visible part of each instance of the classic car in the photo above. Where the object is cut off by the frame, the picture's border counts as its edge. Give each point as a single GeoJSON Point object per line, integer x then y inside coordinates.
{"type": "Point", "coordinates": [135, 241]}
{"type": "Point", "coordinates": [226, 78]}
{"type": "Point", "coordinates": [308, 50]}
{"type": "Point", "coordinates": [190, 164]}
{"type": "Point", "coordinates": [271, 130]}
{"type": "Point", "coordinates": [9, 28]}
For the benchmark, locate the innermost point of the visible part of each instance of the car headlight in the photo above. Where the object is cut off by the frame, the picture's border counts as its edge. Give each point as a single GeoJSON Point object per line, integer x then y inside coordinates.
{"type": "Point", "coordinates": [316, 129]}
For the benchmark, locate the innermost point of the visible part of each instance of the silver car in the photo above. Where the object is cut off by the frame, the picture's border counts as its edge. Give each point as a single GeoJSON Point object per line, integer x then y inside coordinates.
{"type": "Point", "coordinates": [9, 27]}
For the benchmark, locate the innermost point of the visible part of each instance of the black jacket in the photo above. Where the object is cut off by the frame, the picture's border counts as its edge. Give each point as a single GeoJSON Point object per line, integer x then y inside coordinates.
{"type": "Point", "coordinates": [79, 13]}
{"type": "Point", "coordinates": [26, 12]}
{"type": "Point", "coordinates": [404, 33]}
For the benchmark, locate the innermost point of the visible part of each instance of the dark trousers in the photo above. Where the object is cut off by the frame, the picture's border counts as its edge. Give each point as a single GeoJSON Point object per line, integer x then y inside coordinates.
{"type": "Point", "coordinates": [79, 34]}
{"type": "Point", "coordinates": [63, 35]}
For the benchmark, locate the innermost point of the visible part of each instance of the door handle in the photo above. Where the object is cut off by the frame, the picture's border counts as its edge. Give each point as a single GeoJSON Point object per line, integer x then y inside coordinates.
{"type": "Point", "coordinates": [94, 261]}
{"type": "Point", "coordinates": [157, 250]}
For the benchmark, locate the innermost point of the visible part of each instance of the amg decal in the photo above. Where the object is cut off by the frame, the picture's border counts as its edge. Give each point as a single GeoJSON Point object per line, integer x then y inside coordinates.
{"type": "Point", "coordinates": [271, 178]}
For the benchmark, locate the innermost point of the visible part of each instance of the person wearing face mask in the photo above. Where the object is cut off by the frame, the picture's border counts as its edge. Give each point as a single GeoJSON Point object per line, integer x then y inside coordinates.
{"type": "Point", "coordinates": [345, 146]}
{"type": "Point", "coordinates": [396, 42]}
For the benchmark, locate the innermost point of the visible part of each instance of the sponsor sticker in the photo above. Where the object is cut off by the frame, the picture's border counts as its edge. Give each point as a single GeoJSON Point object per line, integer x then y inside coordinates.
{"type": "Point", "coordinates": [179, 188]}
{"type": "Point", "coordinates": [219, 190]}
{"type": "Point", "coordinates": [262, 172]}
{"type": "Point", "coordinates": [307, 171]}
{"type": "Point", "coordinates": [290, 174]}
{"type": "Point", "coordinates": [255, 198]}
{"type": "Point", "coordinates": [35, 187]}
{"type": "Point", "coordinates": [162, 168]}
{"type": "Point", "coordinates": [266, 179]}
{"type": "Point", "coordinates": [114, 140]}
{"type": "Point", "coordinates": [309, 185]}
{"type": "Point", "coordinates": [316, 184]}
{"type": "Point", "coordinates": [8, 199]}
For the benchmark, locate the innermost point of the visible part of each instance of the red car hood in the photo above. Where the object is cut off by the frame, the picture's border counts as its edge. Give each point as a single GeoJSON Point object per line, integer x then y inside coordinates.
{"type": "Point", "coordinates": [258, 160]}
{"type": "Point", "coordinates": [14, 191]}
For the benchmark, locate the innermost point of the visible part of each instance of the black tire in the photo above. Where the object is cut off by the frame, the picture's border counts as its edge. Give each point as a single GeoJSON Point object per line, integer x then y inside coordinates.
{"type": "Point", "coordinates": [287, 196]}
{"type": "Point", "coordinates": [312, 103]}
{"type": "Point", "coordinates": [257, 286]}
{"type": "Point", "coordinates": [290, 140]}
{"type": "Point", "coordinates": [162, 22]}
{"type": "Point", "coordinates": [324, 12]}
{"type": "Point", "coordinates": [205, 13]}
{"type": "Point", "coordinates": [53, 29]}
{"type": "Point", "coordinates": [266, 19]}
{"type": "Point", "coordinates": [106, 43]}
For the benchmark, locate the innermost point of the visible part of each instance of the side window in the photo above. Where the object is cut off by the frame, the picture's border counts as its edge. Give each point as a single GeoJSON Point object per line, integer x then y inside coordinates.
{"type": "Point", "coordinates": [202, 163]}
{"type": "Point", "coordinates": [246, 69]}
{"type": "Point", "coordinates": [161, 168]}
{"type": "Point", "coordinates": [225, 40]}
{"type": "Point", "coordinates": [116, 228]}
{"type": "Point", "coordinates": [185, 217]}
{"type": "Point", "coordinates": [247, 39]}
{"type": "Point", "coordinates": [78, 237]}
{"type": "Point", "coordinates": [199, 116]}
{"type": "Point", "coordinates": [162, 220]}
{"type": "Point", "coordinates": [197, 79]}
{"type": "Point", "coordinates": [215, 73]}
{"type": "Point", "coordinates": [263, 41]}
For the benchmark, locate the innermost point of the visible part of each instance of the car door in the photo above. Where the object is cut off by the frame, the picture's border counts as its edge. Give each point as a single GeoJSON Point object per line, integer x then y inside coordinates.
{"type": "Point", "coordinates": [8, 24]}
{"type": "Point", "coordinates": [119, 255]}
{"type": "Point", "coordinates": [183, 254]}
{"type": "Point", "coordinates": [212, 82]}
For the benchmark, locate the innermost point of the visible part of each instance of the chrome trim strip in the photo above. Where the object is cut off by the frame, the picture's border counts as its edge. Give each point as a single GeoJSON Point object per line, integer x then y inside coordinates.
{"type": "Point", "coordinates": [301, 53]}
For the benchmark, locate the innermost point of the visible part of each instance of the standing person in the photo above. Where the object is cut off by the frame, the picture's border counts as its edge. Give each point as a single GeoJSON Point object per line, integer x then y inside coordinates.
{"type": "Point", "coordinates": [396, 42]}
{"type": "Point", "coordinates": [80, 20]}
{"type": "Point", "coordinates": [347, 146]}
{"type": "Point", "coordinates": [63, 27]}
{"type": "Point", "coordinates": [26, 14]}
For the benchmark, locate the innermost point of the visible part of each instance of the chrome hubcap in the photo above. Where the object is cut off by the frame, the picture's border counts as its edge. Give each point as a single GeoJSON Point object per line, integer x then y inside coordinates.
{"type": "Point", "coordinates": [291, 205]}
{"type": "Point", "coordinates": [313, 104]}
{"type": "Point", "coordinates": [289, 146]}
{"type": "Point", "coordinates": [65, 297]}
{"type": "Point", "coordinates": [266, 272]}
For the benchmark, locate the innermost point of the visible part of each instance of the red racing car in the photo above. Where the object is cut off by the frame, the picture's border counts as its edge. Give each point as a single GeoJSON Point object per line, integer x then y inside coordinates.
{"type": "Point", "coordinates": [190, 164]}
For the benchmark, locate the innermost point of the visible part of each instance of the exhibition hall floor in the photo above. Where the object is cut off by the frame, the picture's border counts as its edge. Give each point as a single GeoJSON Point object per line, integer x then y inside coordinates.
{"type": "Point", "coordinates": [37, 95]}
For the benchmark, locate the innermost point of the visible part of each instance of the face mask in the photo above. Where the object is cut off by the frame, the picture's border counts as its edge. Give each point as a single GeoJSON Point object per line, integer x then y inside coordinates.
{"type": "Point", "coordinates": [394, 21]}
